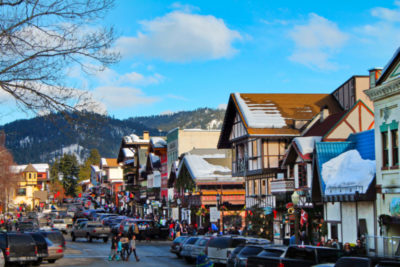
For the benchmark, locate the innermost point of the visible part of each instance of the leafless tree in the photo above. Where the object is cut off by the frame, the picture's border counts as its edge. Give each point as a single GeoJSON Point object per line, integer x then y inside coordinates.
{"type": "Point", "coordinates": [8, 178]}
{"type": "Point", "coordinates": [41, 39]}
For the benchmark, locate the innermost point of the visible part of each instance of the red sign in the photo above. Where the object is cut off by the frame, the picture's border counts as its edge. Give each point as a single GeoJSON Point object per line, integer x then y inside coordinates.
{"type": "Point", "coordinates": [80, 195]}
{"type": "Point", "coordinates": [289, 205]}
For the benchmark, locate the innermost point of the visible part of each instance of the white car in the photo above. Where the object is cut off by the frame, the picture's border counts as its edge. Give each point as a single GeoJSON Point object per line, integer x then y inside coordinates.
{"type": "Point", "coordinates": [61, 225]}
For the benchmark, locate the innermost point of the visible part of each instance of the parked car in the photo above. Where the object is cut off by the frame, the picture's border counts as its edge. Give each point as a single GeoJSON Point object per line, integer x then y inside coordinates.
{"type": "Point", "coordinates": [248, 250]}
{"type": "Point", "coordinates": [55, 236]}
{"type": "Point", "coordinates": [125, 224]}
{"type": "Point", "coordinates": [200, 246]}
{"type": "Point", "coordinates": [176, 245]}
{"type": "Point", "coordinates": [61, 225]}
{"type": "Point", "coordinates": [55, 250]}
{"type": "Point", "coordinates": [220, 247]}
{"type": "Point", "coordinates": [90, 231]}
{"type": "Point", "coordinates": [273, 250]}
{"type": "Point", "coordinates": [18, 248]}
{"type": "Point", "coordinates": [78, 221]}
{"type": "Point", "coordinates": [41, 244]}
{"type": "Point", "coordinates": [231, 260]}
{"type": "Point", "coordinates": [297, 256]}
{"type": "Point", "coordinates": [187, 248]}
{"type": "Point", "coordinates": [26, 226]}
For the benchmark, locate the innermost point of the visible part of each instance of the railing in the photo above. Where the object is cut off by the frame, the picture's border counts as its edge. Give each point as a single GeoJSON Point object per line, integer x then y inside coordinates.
{"type": "Point", "coordinates": [279, 186]}
{"type": "Point", "coordinates": [342, 190]}
{"type": "Point", "coordinates": [261, 201]}
{"type": "Point", "coordinates": [383, 246]}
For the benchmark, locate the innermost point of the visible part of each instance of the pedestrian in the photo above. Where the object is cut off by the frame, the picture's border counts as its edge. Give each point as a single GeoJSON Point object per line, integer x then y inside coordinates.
{"type": "Point", "coordinates": [347, 250]}
{"type": "Point", "coordinates": [133, 247]}
{"type": "Point", "coordinates": [360, 249]}
{"type": "Point", "coordinates": [114, 247]}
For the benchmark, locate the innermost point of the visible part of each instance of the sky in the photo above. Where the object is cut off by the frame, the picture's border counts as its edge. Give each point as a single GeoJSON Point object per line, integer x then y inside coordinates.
{"type": "Point", "coordinates": [185, 55]}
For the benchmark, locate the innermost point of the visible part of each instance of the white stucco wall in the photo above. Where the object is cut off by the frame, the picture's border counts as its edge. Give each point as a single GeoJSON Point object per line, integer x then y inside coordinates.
{"type": "Point", "coordinates": [349, 222]}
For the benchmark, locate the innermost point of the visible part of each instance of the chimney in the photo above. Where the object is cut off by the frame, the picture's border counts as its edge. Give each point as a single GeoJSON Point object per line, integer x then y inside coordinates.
{"type": "Point", "coordinates": [146, 135]}
{"type": "Point", "coordinates": [324, 113]}
{"type": "Point", "coordinates": [374, 75]}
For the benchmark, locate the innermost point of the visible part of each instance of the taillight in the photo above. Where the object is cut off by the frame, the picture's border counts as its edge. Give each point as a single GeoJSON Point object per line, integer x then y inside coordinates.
{"type": "Point", "coordinates": [281, 264]}
{"type": "Point", "coordinates": [35, 250]}
{"type": "Point", "coordinates": [94, 230]}
{"type": "Point", "coordinates": [64, 243]}
{"type": "Point", "coordinates": [7, 251]}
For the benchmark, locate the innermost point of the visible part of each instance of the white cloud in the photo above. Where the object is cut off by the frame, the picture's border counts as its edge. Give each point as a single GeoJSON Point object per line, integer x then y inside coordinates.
{"type": "Point", "coordinates": [384, 33]}
{"type": "Point", "coordinates": [118, 97]}
{"type": "Point", "coordinates": [177, 97]}
{"type": "Point", "coordinates": [316, 42]}
{"type": "Point", "coordinates": [184, 8]}
{"type": "Point", "coordinates": [181, 37]}
{"type": "Point", "coordinates": [140, 79]}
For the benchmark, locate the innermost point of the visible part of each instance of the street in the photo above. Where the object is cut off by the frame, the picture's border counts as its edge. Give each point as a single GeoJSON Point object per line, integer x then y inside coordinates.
{"type": "Point", "coordinates": [83, 253]}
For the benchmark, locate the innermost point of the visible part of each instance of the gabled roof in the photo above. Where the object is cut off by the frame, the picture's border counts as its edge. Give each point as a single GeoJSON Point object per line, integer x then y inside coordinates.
{"type": "Point", "coordinates": [392, 67]}
{"type": "Point", "coordinates": [321, 128]}
{"type": "Point", "coordinates": [200, 167]}
{"type": "Point", "coordinates": [358, 118]}
{"type": "Point", "coordinates": [30, 168]}
{"type": "Point", "coordinates": [273, 114]}
{"type": "Point", "coordinates": [158, 142]}
{"type": "Point", "coordinates": [109, 162]}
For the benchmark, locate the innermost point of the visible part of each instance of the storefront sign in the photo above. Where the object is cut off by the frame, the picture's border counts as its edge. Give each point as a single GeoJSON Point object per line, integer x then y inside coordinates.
{"type": "Point", "coordinates": [214, 214]}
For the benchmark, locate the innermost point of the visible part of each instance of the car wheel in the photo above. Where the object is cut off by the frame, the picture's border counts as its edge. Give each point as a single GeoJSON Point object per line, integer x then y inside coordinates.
{"type": "Point", "coordinates": [73, 237]}
{"type": "Point", "coordinates": [105, 239]}
{"type": "Point", "coordinates": [51, 261]}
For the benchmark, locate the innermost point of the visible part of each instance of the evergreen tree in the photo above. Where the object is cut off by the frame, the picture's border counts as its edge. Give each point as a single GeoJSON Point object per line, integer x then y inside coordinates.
{"type": "Point", "coordinates": [93, 159]}
{"type": "Point", "coordinates": [69, 169]}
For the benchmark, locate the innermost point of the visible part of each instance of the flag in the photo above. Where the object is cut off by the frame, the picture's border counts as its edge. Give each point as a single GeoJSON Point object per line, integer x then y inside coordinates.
{"type": "Point", "coordinates": [303, 217]}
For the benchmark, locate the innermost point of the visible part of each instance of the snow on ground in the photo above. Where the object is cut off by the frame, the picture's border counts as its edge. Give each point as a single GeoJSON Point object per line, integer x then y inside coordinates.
{"type": "Point", "coordinates": [265, 115]}
{"type": "Point", "coordinates": [348, 173]}
{"type": "Point", "coordinates": [306, 144]}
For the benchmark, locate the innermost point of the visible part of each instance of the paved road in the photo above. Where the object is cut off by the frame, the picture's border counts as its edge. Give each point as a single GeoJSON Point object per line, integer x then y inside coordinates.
{"type": "Point", "coordinates": [82, 253]}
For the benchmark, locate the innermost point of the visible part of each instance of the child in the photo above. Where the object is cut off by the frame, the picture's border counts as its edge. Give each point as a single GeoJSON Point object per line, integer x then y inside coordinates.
{"type": "Point", "coordinates": [114, 246]}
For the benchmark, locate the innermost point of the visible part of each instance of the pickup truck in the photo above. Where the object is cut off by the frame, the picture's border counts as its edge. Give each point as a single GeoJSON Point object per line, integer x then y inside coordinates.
{"type": "Point", "coordinates": [90, 231]}
{"type": "Point", "coordinates": [297, 256]}
{"type": "Point", "coordinates": [61, 225]}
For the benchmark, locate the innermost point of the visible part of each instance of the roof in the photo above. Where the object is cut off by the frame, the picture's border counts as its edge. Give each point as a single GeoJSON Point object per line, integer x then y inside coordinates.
{"type": "Point", "coordinates": [201, 168]}
{"type": "Point", "coordinates": [30, 168]}
{"type": "Point", "coordinates": [273, 114]}
{"type": "Point", "coordinates": [109, 162]}
{"type": "Point", "coordinates": [158, 142]}
{"type": "Point", "coordinates": [95, 168]}
{"type": "Point", "coordinates": [351, 160]}
{"type": "Point", "coordinates": [389, 68]}
{"type": "Point", "coordinates": [40, 167]}
{"type": "Point", "coordinates": [321, 128]}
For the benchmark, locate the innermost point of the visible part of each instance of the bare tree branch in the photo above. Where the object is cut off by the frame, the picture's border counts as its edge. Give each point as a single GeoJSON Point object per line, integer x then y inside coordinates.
{"type": "Point", "coordinates": [39, 40]}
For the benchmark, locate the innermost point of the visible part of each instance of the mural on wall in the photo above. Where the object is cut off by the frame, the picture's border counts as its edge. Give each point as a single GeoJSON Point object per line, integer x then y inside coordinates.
{"type": "Point", "coordinates": [395, 207]}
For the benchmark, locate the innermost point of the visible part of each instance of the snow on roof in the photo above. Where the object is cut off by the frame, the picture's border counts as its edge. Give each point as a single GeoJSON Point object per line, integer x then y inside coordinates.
{"type": "Point", "coordinates": [128, 152]}
{"type": "Point", "coordinates": [264, 115]}
{"type": "Point", "coordinates": [306, 144]}
{"type": "Point", "coordinates": [158, 142]}
{"type": "Point", "coordinates": [95, 168]}
{"type": "Point", "coordinates": [348, 173]}
{"type": "Point", "coordinates": [103, 162]}
{"type": "Point", "coordinates": [133, 138]}
{"type": "Point", "coordinates": [200, 168]}
{"type": "Point", "coordinates": [87, 181]}
{"type": "Point", "coordinates": [40, 167]}
{"type": "Point", "coordinates": [154, 158]}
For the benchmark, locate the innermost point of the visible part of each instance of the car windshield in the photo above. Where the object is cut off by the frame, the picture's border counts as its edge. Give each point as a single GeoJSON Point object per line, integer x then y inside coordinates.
{"type": "Point", "coordinates": [250, 250]}
{"type": "Point", "coordinates": [270, 252]}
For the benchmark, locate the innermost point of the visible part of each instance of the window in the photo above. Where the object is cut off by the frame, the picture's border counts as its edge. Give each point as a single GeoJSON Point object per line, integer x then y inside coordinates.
{"type": "Point", "coordinates": [21, 192]}
{"type": "Point", "coordinates": [263, 187]}
{"type": "Point", "coordinates": [302, 174]}
{"type": "Point", "coordinates": [257, 187]}
{"type": "Point", "coordinates": [385, 149]}
{"type": "Point", "coordinates": [395, 147]}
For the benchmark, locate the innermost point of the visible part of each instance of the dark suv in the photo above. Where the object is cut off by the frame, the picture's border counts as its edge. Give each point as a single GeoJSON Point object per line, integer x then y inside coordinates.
{"type": "Point", "coordinates": [18, 248]}
{"type": "Point", "coordinates": [41, 244]}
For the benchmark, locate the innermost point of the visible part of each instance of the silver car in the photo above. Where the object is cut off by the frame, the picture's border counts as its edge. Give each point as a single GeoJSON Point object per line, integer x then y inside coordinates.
{"type": "Point", "coordinates": [187, 248]}
{"type": "Point", "coordinates": [200, 246]}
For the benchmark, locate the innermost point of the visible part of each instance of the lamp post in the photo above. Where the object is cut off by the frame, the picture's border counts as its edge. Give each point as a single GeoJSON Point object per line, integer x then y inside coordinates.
{"type": "Point", "coordinates": [178, 201]}
{"type": "Point", "coordinates": [295, 201]}
{"type": "Point", "coordinates": [218, 202]}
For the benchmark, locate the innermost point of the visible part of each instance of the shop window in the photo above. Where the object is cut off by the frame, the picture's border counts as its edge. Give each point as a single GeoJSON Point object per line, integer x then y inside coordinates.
{"type": "Point", "coordinates": [395, 147]}
{"type": "Point", "coordinates": [334, 231]}
{"type": "Point", "coordinates": [385, 149]}
{"type": "Point", "coordinates": [263, 187]}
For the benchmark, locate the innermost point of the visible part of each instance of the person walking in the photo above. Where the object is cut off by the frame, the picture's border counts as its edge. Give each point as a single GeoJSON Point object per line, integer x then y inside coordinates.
{"type": "Point", "coordinates": [133, 247]}
{"type": "Point", "coordinates": [114, 247]}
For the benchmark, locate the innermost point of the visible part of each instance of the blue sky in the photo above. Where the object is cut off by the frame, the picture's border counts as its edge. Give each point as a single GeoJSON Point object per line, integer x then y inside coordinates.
{"type": "Point", "coordinates": [189, 54]}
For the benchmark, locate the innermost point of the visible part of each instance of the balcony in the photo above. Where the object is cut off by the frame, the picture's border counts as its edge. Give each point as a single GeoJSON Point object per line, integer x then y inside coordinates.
{"type": "Point", "coordinates": [261, 201]}
{"type": "Point", "coordinates": [282, 186]}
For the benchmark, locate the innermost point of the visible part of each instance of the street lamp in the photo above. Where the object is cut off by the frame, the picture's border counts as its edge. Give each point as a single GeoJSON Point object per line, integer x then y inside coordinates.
{"type": "Point", "coordinates": [218, 207]}
{"type": "Point", "coordinates": [178, 201]}
{"type": "Point", "coordinates": [295, 201]}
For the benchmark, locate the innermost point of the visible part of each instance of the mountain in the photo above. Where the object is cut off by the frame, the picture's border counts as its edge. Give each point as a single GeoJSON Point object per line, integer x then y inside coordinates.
{"type": "Point", "coordinates": [42, 139]}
